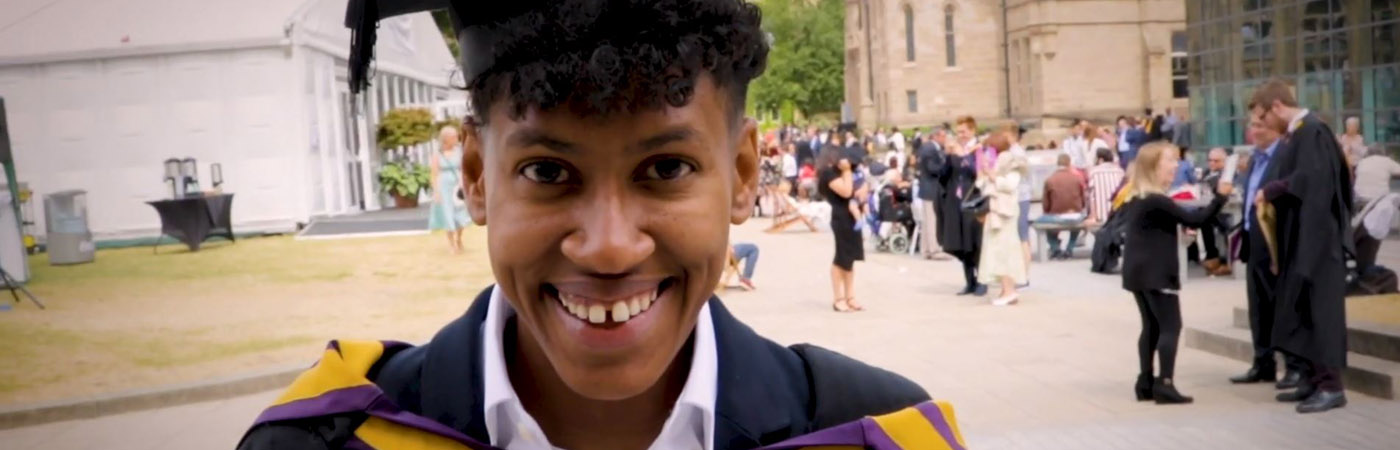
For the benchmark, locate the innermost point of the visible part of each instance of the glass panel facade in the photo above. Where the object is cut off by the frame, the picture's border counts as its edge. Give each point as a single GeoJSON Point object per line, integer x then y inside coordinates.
{"type": "Point", "coordinates": [1342, 55]}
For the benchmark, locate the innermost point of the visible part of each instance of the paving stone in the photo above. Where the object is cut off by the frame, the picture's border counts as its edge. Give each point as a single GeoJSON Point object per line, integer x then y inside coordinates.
{"type": "Point", "coordinates": [1054, 372]}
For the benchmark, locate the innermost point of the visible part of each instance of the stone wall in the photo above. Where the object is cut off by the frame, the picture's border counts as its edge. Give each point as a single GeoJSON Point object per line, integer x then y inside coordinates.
{"type": "Point", "coordinates": [1067, 58]}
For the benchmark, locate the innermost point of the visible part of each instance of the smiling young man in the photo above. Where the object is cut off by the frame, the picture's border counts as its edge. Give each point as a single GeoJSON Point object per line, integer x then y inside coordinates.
{"type": "Point", "coordinates": [609, 153]}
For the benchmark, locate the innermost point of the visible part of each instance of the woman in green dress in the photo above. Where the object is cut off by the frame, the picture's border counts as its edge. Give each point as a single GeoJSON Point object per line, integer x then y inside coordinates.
{"type": "Point", "coordinates": [449, 211]}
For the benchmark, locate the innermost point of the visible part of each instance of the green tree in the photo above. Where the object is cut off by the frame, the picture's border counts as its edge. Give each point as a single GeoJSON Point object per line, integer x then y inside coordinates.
{"type": "Point", "coordinates": [806, 66]}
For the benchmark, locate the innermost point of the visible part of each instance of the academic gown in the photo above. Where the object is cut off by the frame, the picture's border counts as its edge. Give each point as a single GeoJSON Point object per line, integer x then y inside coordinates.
{"type": "Point", "coordinates": [1310, 188]}
{"type": "Point", "coordinates": [373, 394]}
{"type": "Point", "coordinates": [958, 232]}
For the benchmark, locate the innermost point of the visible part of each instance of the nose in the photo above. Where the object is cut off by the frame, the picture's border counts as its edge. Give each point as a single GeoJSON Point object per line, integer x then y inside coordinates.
{"type": "Point", "coordinates": [609, 238]}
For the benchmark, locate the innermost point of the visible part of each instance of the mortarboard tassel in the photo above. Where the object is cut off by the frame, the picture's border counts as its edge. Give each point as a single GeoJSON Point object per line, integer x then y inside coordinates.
{"type": "Point", "coordinates": [362, 18]}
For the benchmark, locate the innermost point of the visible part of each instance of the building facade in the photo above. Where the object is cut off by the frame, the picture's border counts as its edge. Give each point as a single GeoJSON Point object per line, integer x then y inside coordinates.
{"type": "Point", "coordinates": [1038, 62]}
{"type": "Point", "coordinates": [1342, 56]}
{"type": "Point", "coordinates": [98, 94]}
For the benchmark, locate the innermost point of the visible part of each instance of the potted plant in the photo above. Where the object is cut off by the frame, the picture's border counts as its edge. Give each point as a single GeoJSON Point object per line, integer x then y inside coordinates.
{"type": "Point", "coordinates": [404, 180]}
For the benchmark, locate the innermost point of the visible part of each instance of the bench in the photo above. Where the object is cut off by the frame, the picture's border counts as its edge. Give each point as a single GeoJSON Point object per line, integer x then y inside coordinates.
{"type": "Point", "coordinates": [1042, 245]}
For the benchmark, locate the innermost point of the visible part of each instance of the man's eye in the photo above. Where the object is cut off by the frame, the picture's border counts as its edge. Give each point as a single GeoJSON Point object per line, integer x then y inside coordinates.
{"type": "Point", "coordinates": [545, 172]}
{"type": "Point", "coordinates": [669, 169]}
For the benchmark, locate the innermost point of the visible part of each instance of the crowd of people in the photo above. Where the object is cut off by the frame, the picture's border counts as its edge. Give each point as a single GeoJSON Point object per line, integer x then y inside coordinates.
{"type": "Point", "coordinates": [1136, 187]}
{"type": "Point", "coordinates": [966, 192]}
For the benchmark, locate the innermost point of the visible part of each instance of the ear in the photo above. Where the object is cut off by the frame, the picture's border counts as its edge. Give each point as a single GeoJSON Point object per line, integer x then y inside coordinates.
{"type": "Point", "coordinates": [473, 172]}
{"type": "Point", "coordinates": [745, 173]}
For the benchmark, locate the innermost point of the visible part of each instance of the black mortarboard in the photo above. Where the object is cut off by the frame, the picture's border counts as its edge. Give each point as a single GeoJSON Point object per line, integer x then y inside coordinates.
{"type": "Point", "coordinates": [472, 27]}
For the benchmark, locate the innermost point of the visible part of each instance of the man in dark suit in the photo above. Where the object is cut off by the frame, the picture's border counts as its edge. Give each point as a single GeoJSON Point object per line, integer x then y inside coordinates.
{"type": "Point", "coordinates": [1260, 278]}
{"type": "Point", "coordinates": [930, 160]}
{"type": "Point", "coordinates": [1311, 193]}
{"type": "Point", "coordinates": [808, 147]}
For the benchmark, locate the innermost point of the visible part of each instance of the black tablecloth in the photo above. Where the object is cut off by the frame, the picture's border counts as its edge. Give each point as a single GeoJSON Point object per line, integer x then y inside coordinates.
{"type": "Point", "coordinates": [193, 220]}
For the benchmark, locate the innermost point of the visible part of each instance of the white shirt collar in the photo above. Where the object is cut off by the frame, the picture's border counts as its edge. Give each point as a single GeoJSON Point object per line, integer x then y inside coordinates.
{"type": "Point", "coordinates": [511, 427]}
{"type": "Point", "coordinates": [1297, 120]}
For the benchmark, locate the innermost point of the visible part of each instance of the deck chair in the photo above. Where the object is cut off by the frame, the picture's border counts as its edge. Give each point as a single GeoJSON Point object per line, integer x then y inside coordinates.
{"type": "Point", "coordinates": [731, 271]}
{"type": "Point", "coordinates": [789, 212]}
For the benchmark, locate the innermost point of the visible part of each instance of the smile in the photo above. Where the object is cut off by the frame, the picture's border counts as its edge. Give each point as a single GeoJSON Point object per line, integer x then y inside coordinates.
{"type": "Point", "coordinates": [609, 311]}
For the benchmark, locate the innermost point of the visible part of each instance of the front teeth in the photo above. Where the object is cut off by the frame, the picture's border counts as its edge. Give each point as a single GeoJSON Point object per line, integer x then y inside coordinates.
{"type": "Point", "coordinates": [620, 313]}
{"type": "Point", "coordinates": [597, 313]}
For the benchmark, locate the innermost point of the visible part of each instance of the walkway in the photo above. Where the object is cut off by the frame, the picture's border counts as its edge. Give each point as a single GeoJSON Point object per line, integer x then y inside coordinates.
{"type": "Point", "coordinates": [369, 224]}
{"type": "Point", "coordinates": [1055, 372]}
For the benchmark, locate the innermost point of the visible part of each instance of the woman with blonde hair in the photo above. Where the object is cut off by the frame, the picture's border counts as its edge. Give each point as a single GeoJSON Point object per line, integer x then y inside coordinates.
{"type": "Point", "coordinates": [449, 209]}
{"type": "Point", "coordinates": [1001, 260]}
{"type": "Point", "coordinates": [1150, 270]}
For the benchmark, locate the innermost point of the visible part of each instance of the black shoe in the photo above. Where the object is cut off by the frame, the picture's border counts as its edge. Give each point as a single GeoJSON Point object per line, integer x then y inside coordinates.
{"type": "Point", "coordinates": [1256, 375]}
{"type": "Point", "coordinates": [968, 291]}
{"type": "Point", "coordinates": [1143, 388]}
{"type": "Point", "coordinates": [1323, 401]}
{"type": "Point", "coordinates": [1304, 391]}
{"type": "Point", "coordinates": [1164, 393]}
{"type": "Point", "coordinates": [981, 290]}
{"type": "Point", "coordinates": [1290, 380]}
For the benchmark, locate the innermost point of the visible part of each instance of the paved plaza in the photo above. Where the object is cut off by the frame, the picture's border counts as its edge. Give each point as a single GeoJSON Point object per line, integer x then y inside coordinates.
{"type": "Point", "coordinates": [1054, 372]}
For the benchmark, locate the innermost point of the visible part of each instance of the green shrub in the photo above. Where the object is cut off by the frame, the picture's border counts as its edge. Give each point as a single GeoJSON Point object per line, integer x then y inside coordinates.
{"type": "Point", "coordinates": [404, 178]}
{"type": "Point", "coordinates": [405, 127]}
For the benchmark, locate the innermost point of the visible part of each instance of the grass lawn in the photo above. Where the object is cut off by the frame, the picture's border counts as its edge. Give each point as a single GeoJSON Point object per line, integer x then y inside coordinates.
{"type": "Point", "coordinates": [134, 319]}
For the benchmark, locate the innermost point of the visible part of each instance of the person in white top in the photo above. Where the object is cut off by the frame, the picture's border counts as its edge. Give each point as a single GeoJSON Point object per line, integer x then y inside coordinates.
{"type": "Point", "coordinates": [1373, 176]}
{"type": "Point", "coordinates": [1352, 142]}
{"type": "Point", "coordinates": [790, 163]}
{"type": "Point", "coordinates": [897, 140]}
{"type": "Point", "coordinates": [1076, 147]}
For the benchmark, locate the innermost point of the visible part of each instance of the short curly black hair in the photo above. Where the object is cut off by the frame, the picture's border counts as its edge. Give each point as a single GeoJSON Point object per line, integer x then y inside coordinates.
{"type": "Point", "coordinates": [613, 56]}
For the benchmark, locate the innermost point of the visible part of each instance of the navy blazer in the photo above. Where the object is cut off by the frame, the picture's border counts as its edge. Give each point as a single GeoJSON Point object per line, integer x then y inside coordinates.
{"type": "Point", "coordinates": [766, 392]}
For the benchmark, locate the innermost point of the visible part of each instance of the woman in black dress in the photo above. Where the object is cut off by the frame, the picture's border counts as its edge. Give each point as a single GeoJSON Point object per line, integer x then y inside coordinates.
{"type": "Point", "coordinates": [959, 234]}
{"type": "Point", "coordinates": [836, 182]}
{"type": "Point", "coordinates": [1150, 270]}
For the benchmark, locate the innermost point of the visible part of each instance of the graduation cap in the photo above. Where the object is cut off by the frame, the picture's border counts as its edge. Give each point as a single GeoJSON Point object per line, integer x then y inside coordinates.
{"type": "Point", "coordinates": [473, 20]}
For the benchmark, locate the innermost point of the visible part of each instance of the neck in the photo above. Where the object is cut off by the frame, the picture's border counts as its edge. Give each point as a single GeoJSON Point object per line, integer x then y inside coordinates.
{"type": "Point", "coordinates": [1289, 113]}
{"type": "Point", "coordinates": [573, 421]}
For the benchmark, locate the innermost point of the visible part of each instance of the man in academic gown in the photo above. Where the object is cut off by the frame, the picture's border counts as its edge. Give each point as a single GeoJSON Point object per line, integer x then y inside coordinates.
{"type": "Point", "coordinates": [608, 157]}
{"type": "Point", "coordinates": [1311, 193]}
{"type": "Point", "coordinates": [1260, 278]}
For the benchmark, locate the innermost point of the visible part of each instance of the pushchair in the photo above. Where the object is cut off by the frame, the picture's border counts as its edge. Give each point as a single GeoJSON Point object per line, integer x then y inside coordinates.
{"type": "Point", "coordinates": [891, 218]}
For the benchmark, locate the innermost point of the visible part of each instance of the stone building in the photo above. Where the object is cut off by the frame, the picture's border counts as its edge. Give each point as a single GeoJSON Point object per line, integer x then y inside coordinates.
{"type": "Point", "coordinates": [1038, 62]}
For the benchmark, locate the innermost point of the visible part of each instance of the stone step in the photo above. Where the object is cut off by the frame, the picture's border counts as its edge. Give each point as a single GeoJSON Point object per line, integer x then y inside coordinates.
{"type": "Point", "coordinates": [1365, 338]}
{"type": "Point", "coordinates": [1364, 373]}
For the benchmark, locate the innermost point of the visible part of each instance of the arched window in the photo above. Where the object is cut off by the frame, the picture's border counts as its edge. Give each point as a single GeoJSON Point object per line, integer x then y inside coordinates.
{"type": "Point", "coordinates": [948, 40]}
{"type": "Point", "coordinates": [908, 32]}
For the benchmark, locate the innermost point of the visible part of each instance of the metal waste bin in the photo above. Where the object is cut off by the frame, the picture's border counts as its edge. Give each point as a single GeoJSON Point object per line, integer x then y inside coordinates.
{"type": "Point", "coordinates": [66, 220]}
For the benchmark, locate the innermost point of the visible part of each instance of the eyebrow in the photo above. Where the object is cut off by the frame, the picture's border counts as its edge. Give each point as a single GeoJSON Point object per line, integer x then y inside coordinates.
{"type": "Point", "coordinates": [666, 137]}
{"type": "Point", "coordinates": [533, 137]}
{"type": "Point", "coordinates": [536, 137]}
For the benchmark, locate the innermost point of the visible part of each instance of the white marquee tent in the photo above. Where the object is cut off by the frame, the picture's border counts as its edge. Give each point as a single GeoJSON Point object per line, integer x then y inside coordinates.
{"type": "Point", "coordinates": [100, 92]}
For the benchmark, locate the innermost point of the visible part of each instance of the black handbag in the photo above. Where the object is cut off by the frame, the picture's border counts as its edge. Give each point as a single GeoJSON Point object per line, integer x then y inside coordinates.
{"type": "Point", "coordinates": [976, 203]}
